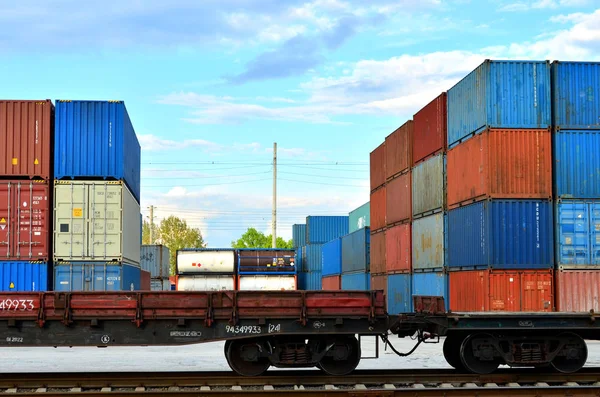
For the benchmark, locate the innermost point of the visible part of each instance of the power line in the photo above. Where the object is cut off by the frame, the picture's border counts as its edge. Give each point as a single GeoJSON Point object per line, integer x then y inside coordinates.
{"type": "Point", "coordinates": [321, 176]}
{"type": "Point", "coordinates": [289, 162]}
{"type": "Point", "coordinates": [210, 184]}
{"type": "Point", "coordinates": [206, 176]}
{"type": "Point", "coordinates": [319, 183]}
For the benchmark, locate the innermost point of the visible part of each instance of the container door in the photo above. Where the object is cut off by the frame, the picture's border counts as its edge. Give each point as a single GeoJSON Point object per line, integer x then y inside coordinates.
{"type": "Point", "coordinates": [595, 233]}
{"type": "Point", "coordinates": [573, 233]}
{"type": "Point", "coordinates": [5, 220]}
{"type": "Point", "coordinates": [105, 221]}
{"type": "Point", "coordinates": [31, 206]}
{"type": "Point", "coordinates": [70, 214]}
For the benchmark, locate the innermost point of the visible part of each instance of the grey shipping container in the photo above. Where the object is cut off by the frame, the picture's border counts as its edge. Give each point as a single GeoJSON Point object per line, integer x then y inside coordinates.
{"type": "Point", "coordinates": [429, 186]}
{"type": "Point", "coordinates": [156, 260]}
{"type": "Point", "coordinates": [96, 221]}
{"type": "Point", "coordinates": [160, 284]}
{"type": "Point", "coordinates": [356, 251]}
{"type": "Point", "coordinates": [429, 242]}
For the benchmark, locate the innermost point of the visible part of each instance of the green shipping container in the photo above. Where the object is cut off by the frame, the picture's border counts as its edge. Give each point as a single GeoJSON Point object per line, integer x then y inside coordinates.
{"type": "Point", "coordinates": [360, 218]}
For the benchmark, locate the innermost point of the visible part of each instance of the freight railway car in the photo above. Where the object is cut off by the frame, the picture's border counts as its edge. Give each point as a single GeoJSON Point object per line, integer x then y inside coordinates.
{"type": "Point", "coordinates": [294, 328]}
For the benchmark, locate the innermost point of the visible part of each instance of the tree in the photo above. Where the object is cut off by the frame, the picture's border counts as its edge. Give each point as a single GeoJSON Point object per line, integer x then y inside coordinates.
{"type": "Point", "coordinates": [174, 233]}
{"type": "Point", "coordinates": [252, 238]}
{"type": "Point", "coordinates": [146, 234]}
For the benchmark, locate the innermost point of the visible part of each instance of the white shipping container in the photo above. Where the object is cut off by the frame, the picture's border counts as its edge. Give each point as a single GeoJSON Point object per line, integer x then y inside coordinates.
{"type": "Point", "coordinates": [156, 260]}
{"type": "Point", "coordinates": [96, 221]}
{"type": "Point", "coordinates": [206, 261]}
{"type": "Point", "coordinates": [206, 283]}
{"type": "Point", "coordinates": [267, 283]}
{"type": "Point", "coordinates": [160, 284]}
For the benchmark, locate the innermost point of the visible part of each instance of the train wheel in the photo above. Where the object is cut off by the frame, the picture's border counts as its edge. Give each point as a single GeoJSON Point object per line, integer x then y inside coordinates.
{"type": "Point", "coordinates": [452, 346]}
{"type": "Point", "coordinates": [573, 355]}
{"type": "Point", "coordinates": [342, 358]}
{"type": "Point", "coordinates": [477, 354]}
{"type": "Point", "coordinates": [244, 357]}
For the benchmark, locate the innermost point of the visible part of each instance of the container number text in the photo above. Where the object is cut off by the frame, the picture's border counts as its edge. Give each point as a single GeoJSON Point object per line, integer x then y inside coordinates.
{"type": "Point", "coordinates": [17, 304]}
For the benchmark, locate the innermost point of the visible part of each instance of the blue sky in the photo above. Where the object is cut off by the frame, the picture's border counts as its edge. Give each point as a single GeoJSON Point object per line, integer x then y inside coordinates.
{"type": "Point", "coordinates": [210, 85]}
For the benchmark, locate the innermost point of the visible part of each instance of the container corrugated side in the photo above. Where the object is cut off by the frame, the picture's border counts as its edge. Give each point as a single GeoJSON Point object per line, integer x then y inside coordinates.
{"type": "Point", "coordinates": [501, 234]}
{"type": "Point", "coordinates": [145, 283]}
{"type": "Point", "coordinates": [358, 281]}
{"type": "Point", "coordinates": [96, 220]}
{"type": "Point", "coordinates": [378, 209]}
{"type": "Point", "coordinates": [26, 135]}
{"type": "Point", "coordinates": [96, 139]}
{"type": "Point", "coordinates": [500, 163]}
{"type": "Point", "coordinates": [576, 163]}
{"type": "Point", "coordinates": [96, 276]}
{"type": "Point", "coordinates": [429, 242]}
{"type": "Point", "coordinates": [378, 254]}
{"type": "Point", "coordinates": [429, 186]}
{"type": "Point", "coordinates": [321, 229]}
{"type": "Point", "coordinates": [398, 150]}
{"type": "Point", "coordinates": [379, 283]}
{"type": "Point", "coordinates": [24, 276]}
{"type": "Point", "coordinates": [500, 94]}
{"type": "Point", "coordinates": [431, 284]}
{"type": "Point", "coordinates": [359, 218]}
{"type": "Point", "coordinates": [312, 259]}
{"type": "Point", "coordinates": [332, 257]}
{"type": "Point", "coordinates": [156, 259]}
{"type": "Point", "coordinates": [399, 294]}
{"type": "Point", "coordinates": [356, 249]}
{"type": "Point", "coordinates": [299, 235]}
{"type": "Point", "coordinates": [310, 281]}
{"type": "Point", "coordinates": [158, 284]}
{"type": "Point", "coordinates": [398, 249]}
{"type": "Point", "coordinates": [430, 129]}
{"type": "Point", "coordinates": [398, 199]}
{"type": "Point", "coordinates": [377, 167]}
{"type": "Point", "coordinates": [25, 220]}
{"type": "Point", "coordinates": [576, 94]}
{"type": "Point", "coordinates": [578, 291]}
{"type": "Point", "coordinates": [577, 233]}
{"type": "Point", "coordinates": [469, 290]}
{"type": "Point", "coordinates": [331, 283]}
{"type": "Point", "coordinates": [300, 259]}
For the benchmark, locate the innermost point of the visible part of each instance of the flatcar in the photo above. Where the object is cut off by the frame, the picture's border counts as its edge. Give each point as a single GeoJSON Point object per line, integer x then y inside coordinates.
{"type": "Point", "coordinates": [294, 329]}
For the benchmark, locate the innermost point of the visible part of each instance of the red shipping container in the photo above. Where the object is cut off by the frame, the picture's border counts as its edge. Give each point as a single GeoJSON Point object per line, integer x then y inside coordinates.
{"type": "Point", "coordinates": [501, 290]}
{"type": "Point", "coordinates": [398, 249]}
{"type": "Point", "coordinates": [26, 138]}
{"type": "Point", "coordinates": [377, 166]}
{"type": "Point", "coordinates": [378, 209]}
{"type": "Point", "coordinates": [578, 290]}
{"type": "Point", "coordinates": [378, 253]}
{"type": "Point", "coordinates": [331, 283]}
{"type": "Point", "coordinates": [499, 163]}
{"type": "Point", "coordinates": [25, 220]}
{"type": "Point", "coordinates": [430, 127]}
{"type": "Point", "coordinates": [145, 280]}
{"type": "Point", "coordinates": [398, 202]}
{"type": "Point", "coordinates": [398, 150]}
{"type": "Point", "coordinates": [379, 283]}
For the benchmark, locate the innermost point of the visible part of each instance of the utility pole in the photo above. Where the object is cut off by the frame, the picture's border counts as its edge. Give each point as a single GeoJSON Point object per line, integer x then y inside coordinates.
{"type": "Point", "coordinates": [151, 224]}
{"type": "Point", "coordinates": [274, 220]}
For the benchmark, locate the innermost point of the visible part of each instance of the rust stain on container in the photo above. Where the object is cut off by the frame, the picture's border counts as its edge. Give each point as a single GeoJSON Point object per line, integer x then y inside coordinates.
{"type": "Point", "coordinates": [398, 199]}
{"type": "Point", "coordinates": [398, 249]}
{"type": "Point", "coordinates": [378, 209]}
{"type": "Point", "coordinates": [377, 167]}
{"type": "Point", "coordinates": [378, 254]}
{"type": "Point", "coordinates": [501, 163]}
{"type": "Point", "coordinates": [578, 290]}
{"type": "Point", "coordinates": [379, 283]}
{"type": "Point", "coordinates": [398, 150]}
{"type": "Point", "coordinates": [430, 129]}
{"type": "Point", "coordinates": [26, 134]}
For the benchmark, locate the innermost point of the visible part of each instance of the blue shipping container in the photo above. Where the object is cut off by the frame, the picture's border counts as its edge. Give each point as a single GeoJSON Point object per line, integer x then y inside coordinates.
{"type": "Point", "coordinates": [96, 139]}
{"type": "Point", "coordinates": [356, 251]}
{"type": "Point", "coordinates": [299, 262]}
{"type": "Point", "coordinates": [578, 233]}
{"type": "Point", "coordinates": [501, 234]}
{"type": "Point", "coordinates": [576, 163]}
{"type": "Point", "coordinates": [359, 281]}
{"type": "Point", "coordinates": [431, 284]}
{"type": "Point", "coordinates": [321, 229]}
{"type": "Point", "coordinates": [299, 235]}
{"type": "Point", "coordinates": [312, 260]}
{"type": "Point", "coordinates": [332, 257]}
{"type": "Point", "coordinates": [96, 276]}
{"type": "Point", "coordinates": [576, 94]}
{"type": "Point", "coordinates": [500, 94]}
{"type": "Point", "coordinates": [310, 281]}
{"type": "Point", "coordinates": [23, 276]}
{"type": "Point", "coordinates": [399, 293]}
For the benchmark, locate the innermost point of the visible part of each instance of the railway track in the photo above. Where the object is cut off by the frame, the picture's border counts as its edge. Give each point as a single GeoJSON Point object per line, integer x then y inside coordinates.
{"type": "Point", "coordinates": [386, 383]}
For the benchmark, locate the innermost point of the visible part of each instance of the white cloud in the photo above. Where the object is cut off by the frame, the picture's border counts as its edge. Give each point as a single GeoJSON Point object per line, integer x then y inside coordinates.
{"type": "Point", "coordinates": [542, 4]}
{"type": "Point", "coordinates": [150, 142]}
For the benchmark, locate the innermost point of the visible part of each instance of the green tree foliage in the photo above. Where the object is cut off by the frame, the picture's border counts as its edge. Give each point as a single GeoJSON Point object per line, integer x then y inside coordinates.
{"type": "Point", "coordinates": [174, 233]}
{"type": "Point", "coordinates": [252, 238]}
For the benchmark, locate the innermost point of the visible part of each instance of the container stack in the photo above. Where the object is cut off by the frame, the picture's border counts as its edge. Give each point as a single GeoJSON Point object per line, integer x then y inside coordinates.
{"type": "Point", "coordinates": [377, 210]}
{"type": "Point", "coordinates": [332, 265]}
{"type": "Point", "coordinates": [97, 234]}
{"type": "Point", "coordinates": [356, 273]}
{"type": "Point", "coordinates": [359, 218]}
{"type": "Point", "coordinates": [26, 134]}
{"type": "Point", "coordinates": [576, 142]}
{"type": "Point", "coordinates": [299, 241]}
{"type": "Point", "coordinates": [499, 175]}
{"type": "Point", "coordinates": [206, 269]}
{"type": "Point", "coordinates": [155, 259]}
{"type": "Point", "coordinates": [266, 269]}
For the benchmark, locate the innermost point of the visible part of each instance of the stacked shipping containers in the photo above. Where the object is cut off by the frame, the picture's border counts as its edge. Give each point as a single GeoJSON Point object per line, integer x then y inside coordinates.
{"type": "Point", "coordinates": [206, 269]}
{"type": "Point", "coordinates": [26, 135]}
{"type": "Point", "coordinates": [155, 259]}
{"type": "Point", "coordinates": [576, 143]}
{"type": "Point", "coordinates": [97, 234]}
{"type": "Point", "coordinates": [299, 241]}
